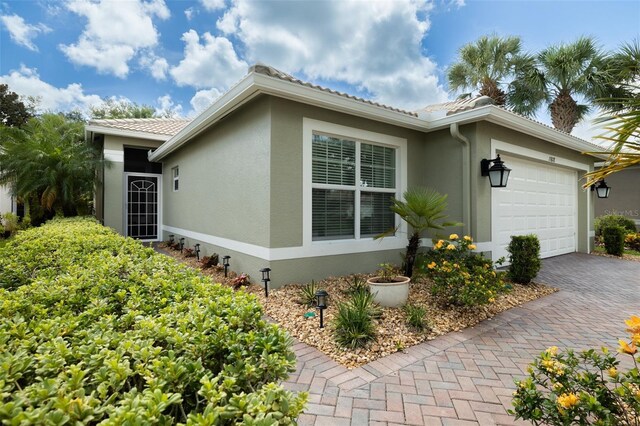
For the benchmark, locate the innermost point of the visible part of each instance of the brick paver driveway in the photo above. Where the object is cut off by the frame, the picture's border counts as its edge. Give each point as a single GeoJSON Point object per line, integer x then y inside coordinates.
{"type": "Point", "coordinates": [466, 378]}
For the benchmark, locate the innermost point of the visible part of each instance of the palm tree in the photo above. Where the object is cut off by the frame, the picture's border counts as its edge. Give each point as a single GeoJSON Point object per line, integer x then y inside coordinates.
{"type": "Point", "coordinates": [49, 159]}
{"type": "Point", "coordinates": [484, 65]}
{"type": "Point", "coordinates": [558, 75]}
{"type": "Point", "coordinates": [422, 209]}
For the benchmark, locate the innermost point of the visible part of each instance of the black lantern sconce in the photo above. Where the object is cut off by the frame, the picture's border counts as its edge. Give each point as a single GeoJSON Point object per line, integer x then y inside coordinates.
{"type": "Point", "coordinates": [197, 250]}
{"type": "Point", "coordinates": [181, 244]}
{"type": "Point", "coordinates": [172, 239]}
{"type": "Point", "coordinates": [498, 173]}
{"type": "Point", "coordinates": [321, 301]}
{"type": "Point", "coordinates": [265, 280]}
{"type": "Point", "coordinates": [225, 263]}
{"type": "Point", "coordinates": [602, 189]}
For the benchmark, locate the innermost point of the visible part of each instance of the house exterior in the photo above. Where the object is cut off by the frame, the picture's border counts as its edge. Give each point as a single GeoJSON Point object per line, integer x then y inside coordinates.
{"type": "Point", "coordinates": [624, 198]}
{"type": "Point", "coordinates": [284, 174]}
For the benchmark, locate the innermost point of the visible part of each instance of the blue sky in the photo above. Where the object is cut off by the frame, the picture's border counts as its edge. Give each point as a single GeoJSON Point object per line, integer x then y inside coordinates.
{"type": "Point", "coordinates": [183, 54]}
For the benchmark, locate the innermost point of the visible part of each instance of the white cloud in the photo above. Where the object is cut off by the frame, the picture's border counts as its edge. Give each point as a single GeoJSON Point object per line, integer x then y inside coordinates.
{"type": "Point", "coordinates": [203, 99]}
{"type": "Point", "coordinates": [27, 82]}
{"type": "Point", "coordinates": [167, 108]}
{"type": "Point", "coordinates": [156, 66]}
{"type": "Point", "coordinates": [190, 12]}
{"type": "Point", "coordinates": [212, 63]}
{"type": "Point", "coordinates": [212, 5]}
{"type": "Point", "coordinates": [21, 32]}
{"type": "Point", "coordinates": [114, 33]}
{"type": "Point", "coordinates": [374, 46]}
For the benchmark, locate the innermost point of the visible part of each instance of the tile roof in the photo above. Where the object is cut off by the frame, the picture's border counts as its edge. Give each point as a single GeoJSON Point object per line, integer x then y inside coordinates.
{"type": "Point", "coordinates": [158, 126]}
{"type": "Point", "coordinates": [272, 72]}
{"type": "Point", "coordinates": [459, 105]}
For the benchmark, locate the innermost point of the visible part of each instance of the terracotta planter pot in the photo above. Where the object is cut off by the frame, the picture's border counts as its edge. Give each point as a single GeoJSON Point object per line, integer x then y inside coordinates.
{"type": "Point", "coordinates": [390, 294]}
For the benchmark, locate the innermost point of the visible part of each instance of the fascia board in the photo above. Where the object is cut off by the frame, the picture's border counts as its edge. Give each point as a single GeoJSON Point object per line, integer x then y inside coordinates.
{"type": "Point", "coordinates": [254, 84]}
{"type": "Point", "coordinates": [312, 96]}
{"type": "Point", "coordinates": [236, 96]}
{"type": "Point", "coordinates": [125, 133]}
{"type": "Point", "coordinates": [512, 121]}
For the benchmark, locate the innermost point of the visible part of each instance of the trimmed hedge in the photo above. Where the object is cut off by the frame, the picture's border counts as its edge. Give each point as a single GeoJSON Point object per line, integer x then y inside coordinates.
{"type": "Point", "coordinates": [524, 257]}
{"type": "Point", "coordinates": [603, 221]}
{"type": "Point", "coordinates": [613, 237]}
{"type": "Point", "coordinates": [95, 328]}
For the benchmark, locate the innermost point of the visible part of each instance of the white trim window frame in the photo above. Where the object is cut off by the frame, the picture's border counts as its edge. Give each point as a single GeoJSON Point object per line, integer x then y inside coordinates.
{"type": "Point", "coordinates": [175, 176]}
{"type": "Point", "coordinates": [360, 138]}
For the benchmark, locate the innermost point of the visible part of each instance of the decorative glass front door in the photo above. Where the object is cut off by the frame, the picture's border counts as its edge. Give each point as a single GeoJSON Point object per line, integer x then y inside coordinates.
{"type": "Point", "coordinates": [142, 207]}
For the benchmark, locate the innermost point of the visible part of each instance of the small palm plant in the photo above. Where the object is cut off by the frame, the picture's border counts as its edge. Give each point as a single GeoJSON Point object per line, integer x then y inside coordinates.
{"type": "Point", "coordinates": [422, 209]}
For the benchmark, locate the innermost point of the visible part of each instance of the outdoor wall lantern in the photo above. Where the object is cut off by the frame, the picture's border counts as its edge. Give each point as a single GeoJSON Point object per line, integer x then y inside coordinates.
{"type": "Point", "coordinates": [197, 250]}
{"type": "Point", "coordinates": [181, 244]}
{"type": "Point", "coordinates": [171, 238]}
{"type": "Point", "coordinates": [321, 300]}
{"type": "Point", "coordinates": [225, 263]}
{"type": "Point", "coordinates": [265, 280]}
{"type": "Point", "coordinates": [498, 173]}
{"type": "Point", "coordinates": [602, 189]}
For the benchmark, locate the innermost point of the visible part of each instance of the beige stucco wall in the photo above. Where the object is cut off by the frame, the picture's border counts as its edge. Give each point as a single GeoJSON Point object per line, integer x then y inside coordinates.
{"type": "Point", "coordinates": [624, 198]}
{"type": "Point", "coordinates": [113, 192]}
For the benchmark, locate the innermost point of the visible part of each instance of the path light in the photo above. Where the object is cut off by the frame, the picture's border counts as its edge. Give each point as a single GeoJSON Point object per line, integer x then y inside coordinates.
{"type": "Point", "coordinates": [225, 263]}
{"type": "Point", "coordinates": [197, 247]}
{"type": "Point", "coordinates": [321, 301]}
{"type": "Point", "coordinates": [181, 244]}
{"type": "Point", "coordinates": [172, 239]}
{"type": "Point", "coordinates": [265, 280]}
{"type": "Point", "coordinates": [498, 173]}
{"type": "Point", "coordinates": [602, 189]}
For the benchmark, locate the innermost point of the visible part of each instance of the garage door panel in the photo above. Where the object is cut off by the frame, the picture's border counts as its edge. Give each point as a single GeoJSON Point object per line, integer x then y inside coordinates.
{"type": "Point", "coordinates": [539, 199]}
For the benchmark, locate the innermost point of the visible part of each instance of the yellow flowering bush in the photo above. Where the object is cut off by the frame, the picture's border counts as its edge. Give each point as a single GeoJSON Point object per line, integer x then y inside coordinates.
{"type": "Point", "coordinates": [565, 388]}
{"type": "Point", "coordinates": [459, 276]}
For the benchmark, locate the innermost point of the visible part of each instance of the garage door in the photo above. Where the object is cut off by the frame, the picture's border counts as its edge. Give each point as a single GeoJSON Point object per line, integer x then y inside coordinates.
{"type": "Point", "coordinates": [539, 199]}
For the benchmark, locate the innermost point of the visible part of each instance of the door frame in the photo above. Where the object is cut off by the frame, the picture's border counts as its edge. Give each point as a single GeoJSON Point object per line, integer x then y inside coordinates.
{"type": "Point", "coordinates": [125, 210]}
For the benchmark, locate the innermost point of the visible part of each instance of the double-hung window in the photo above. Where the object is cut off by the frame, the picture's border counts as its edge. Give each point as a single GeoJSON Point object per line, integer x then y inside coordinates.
{"type": "Point", "coordinates": [353, 184]}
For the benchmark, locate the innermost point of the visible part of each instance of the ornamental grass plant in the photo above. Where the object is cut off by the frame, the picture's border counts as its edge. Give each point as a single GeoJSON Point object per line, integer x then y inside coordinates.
{"type": "Point", "coordinates": [95, 328]}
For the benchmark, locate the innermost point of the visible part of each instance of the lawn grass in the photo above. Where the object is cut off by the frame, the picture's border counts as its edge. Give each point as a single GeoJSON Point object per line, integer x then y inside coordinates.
{"type": "Point", "coordinates": [627, 252]}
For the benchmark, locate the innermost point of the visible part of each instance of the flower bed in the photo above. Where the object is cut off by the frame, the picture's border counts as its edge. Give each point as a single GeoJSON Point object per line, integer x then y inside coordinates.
{"type": "Point", "coordinates": [284, 305]}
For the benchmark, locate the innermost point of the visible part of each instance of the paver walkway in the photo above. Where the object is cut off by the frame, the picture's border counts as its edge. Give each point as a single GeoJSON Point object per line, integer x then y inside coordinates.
{"type": "Point", "coordinates": [466, 378]}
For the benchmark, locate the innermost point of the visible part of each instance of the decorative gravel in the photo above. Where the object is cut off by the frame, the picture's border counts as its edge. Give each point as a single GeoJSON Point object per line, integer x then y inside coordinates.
{"type": "Point", "coordinates": [284, 306]}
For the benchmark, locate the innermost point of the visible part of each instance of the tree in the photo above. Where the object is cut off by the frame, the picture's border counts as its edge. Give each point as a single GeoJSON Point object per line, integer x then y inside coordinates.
{"type": "Point", "coordinates": [557, 76]}
{"type": "Point", "coordinates": [422, 209]}
{"type": "Point", "coordinates": [13, 112]}
{"type": "Point", "coordinates": [49, 160]}
{"type": "Point", "coordinates": [123, 108]}
{"type": "Point", "coordinates": [484, 65]}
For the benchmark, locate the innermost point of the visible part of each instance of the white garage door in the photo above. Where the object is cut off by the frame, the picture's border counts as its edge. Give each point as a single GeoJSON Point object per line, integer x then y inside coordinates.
{"type": "Point", "coordinates": [539, 199]}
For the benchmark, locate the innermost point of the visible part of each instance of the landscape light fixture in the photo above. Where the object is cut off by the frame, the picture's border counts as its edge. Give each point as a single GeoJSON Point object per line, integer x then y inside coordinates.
{"type": "Point", "coordinates": [265, 280]}
{"type": "Point", "coordinates": [197, 250]}
{"type": "Point", "coordinates": [225, 263]}
{"type": "Point", "coordinates": [602, 189]}
{"type": "Point", "coordinates": [181, 244]}
{"type": "Point", "coordinates": [498, 173]}
{"type": "Point", "coordinates": [172, 239]}
{"type": "Point", "coordinates": [321, 302]}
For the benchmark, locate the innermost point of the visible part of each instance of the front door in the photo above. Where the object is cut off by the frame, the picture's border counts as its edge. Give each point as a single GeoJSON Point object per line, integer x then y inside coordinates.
{"type": "Point", "coordinates": [142, 207]}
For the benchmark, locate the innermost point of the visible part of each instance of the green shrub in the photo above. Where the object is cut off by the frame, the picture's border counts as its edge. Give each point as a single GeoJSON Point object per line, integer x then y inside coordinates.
{"type": "Point", "coordinates": [96, 328]}
{"type": "Point", "coordinates": [459, 276]}
{"type": "Point", "coordinates": [632, 241]}
{"type": "Point", "coordinates": [10, 221]}
{"type": "Point", "coordinates": [353, 325]}
{"type": "Point", "coordinates": [613, 237]}
{"type": "Point", "coordinates": [415, 316]}
{"type": "Point", "coordinates": [602, 222]}
{"type": "Point", "coordinates": [524, 256]}
{"type": "Point", "coordinates": [308, 294]}
{"type": "Point", "coordinates": [565, 388]}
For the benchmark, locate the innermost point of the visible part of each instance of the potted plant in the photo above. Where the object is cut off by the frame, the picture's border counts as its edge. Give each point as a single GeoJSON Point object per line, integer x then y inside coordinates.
{"type": "Point", "coordinates": [388, 288]}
